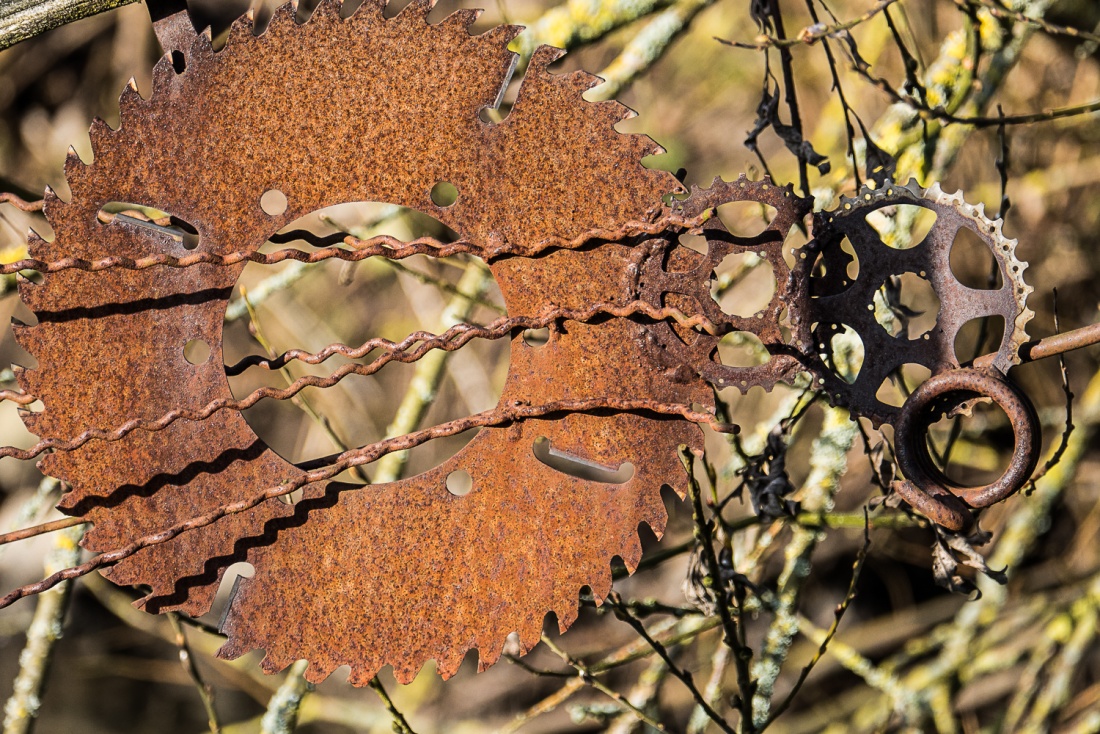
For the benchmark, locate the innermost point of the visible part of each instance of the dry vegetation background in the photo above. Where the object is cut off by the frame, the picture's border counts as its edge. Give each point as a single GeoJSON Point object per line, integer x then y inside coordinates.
{"type": "Point", "coordinates": [908, 655]}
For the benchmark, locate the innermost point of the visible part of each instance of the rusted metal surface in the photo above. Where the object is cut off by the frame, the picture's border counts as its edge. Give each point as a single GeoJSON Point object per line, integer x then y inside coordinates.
{"type": "Point", "coordinates": [926, 487]}
{"type": "Point", "coordinates": [839, 300]}
{"type": "Point", "coordinates": [668, 270]}
{"type": "Point", "coordinates": [331, 111]}
{"type": "Point", "coordinates": [177, 485]}
{"type": "Point", "coordinates": [1050, 346]}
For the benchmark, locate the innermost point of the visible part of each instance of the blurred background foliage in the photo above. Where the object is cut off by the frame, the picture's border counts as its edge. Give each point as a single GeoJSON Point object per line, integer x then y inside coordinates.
{"type": "Point", "coordinates": [909, 655]}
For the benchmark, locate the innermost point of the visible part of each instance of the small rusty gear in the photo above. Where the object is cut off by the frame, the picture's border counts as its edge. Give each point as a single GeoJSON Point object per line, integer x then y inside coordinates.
{"type": "Point", "coordinates": [837, 300]}
{"type": "Point", "coordinates": [671, 274]}
{"type": "Point", "coordinates": [332, 110]}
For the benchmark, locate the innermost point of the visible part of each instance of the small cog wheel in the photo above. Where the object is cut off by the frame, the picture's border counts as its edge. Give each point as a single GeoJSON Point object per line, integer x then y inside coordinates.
{"type": "Point", "coordinates": [839, 301]}
{"type": "Point", "coordinates": [672, 275]}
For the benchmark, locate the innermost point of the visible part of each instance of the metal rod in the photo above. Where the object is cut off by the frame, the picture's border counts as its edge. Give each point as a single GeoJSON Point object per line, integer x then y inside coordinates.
{"type": "Point", "coordinates": [46, 527]}
{"type": "Point", "coordinates": [1051, 346]}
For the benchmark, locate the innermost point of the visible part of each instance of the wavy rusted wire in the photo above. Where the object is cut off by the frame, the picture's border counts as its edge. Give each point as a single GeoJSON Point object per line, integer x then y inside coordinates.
{"type": "Point", "coordinates": [454, 338]}
{"type": "Point", "coordinates": [460, 334]}
{"type": "Point", "coordinates": [378, 246]}
{"type": "Point", "coordinates": [17, 397]}
{"type": "Point", "coordinates": [20, 203]}
{"type": "Point", "coordinates": [499, 416]}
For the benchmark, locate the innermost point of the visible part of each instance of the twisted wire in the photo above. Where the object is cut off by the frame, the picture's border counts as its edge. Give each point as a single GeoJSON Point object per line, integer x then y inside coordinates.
{"type": "Point", "coordinates": [20, 203]}
{"type": "Point", "coordinates": [460, 334]}
{"type": "Point", "coordinates": [361, 249]}
{"type": "Point", "coordinates": [408, 350]}
{"type": "Point", "coordinates": [499, 416]}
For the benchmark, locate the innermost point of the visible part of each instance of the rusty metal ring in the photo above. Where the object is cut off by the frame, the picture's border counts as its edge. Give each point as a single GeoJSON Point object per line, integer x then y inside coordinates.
{"type": "Point", "coordinates": [927, 488]}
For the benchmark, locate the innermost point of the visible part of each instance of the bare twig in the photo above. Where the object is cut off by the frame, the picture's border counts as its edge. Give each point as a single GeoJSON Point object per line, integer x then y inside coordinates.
{"type": "Point", "coordinates": [23, 19]}
{"type": "Point", "coordinates": [187, 660]}
{"type": "Point", "coordinates": [22, 708]}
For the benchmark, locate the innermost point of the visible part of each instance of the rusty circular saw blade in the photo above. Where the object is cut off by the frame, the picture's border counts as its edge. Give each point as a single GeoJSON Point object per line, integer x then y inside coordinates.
{"type": "Point", "coordinates": [837, 301]}
{"type": "Point", "coordinates": [670, 274]}
{"type": "Point", "coordinates": [328, 111]}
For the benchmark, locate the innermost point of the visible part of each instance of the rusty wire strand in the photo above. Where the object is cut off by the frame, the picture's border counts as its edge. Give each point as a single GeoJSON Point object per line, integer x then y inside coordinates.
{"type": "Point", "coordinates": [500, 416]}
{"type": "Point", "coordinates": [362, 249]}
{"type": "Point", "coordinates": [40, 529]}
{"type": "Point", "coordinates": [447, 341]}
{"type": "Point", "coordinates": [17, 397]}
{"type": "Point", "coordinates": [460, 334]}
{"type": "Point", "coordinates": [20, 203]}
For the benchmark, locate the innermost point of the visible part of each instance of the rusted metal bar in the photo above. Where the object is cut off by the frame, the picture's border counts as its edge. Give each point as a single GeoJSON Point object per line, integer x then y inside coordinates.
{"type": "Point", "coordinates": [1051, 346]}
{"type": "Point", "coordinates": [46, 527]}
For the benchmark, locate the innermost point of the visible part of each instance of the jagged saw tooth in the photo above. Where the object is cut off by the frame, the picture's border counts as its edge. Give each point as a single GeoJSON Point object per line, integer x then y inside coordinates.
{"type": "Point", "coordinates": [462, 18]}
{"type": "Point", "coordinates": [417, 8]}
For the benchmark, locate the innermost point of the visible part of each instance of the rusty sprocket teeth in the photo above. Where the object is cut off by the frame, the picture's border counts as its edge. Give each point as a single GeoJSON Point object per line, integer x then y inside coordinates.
{"type": "Point", "coordinates": [837, 302]}
{"type": "Point", "coordinates": [698, 352]}
{"type": "Point", "coordinates": [1012, 270]}
{"type": "Point", "coordinates": [328, 112]}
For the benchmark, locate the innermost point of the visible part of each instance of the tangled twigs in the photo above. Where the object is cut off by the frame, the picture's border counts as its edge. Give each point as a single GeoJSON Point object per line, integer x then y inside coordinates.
{"type": "Point", "coordinates": [685, 677]}
{"type": "Point", "coordinates": [500, 416]}
{"type": "Point", "coordinates": [734, 632]}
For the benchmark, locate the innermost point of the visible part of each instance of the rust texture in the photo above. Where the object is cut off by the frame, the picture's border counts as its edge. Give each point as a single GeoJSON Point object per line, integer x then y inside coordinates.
{"type": "Point", "coordinates": [839, 300]}
{"type": "Point", "coordinates": [334, 110]}
{"type": "Point", "coordinates": [176, 485]}
{"type": "Point", "coordinates": [929, 489]}
{"type": "Point", "coordinates": [669, 273]}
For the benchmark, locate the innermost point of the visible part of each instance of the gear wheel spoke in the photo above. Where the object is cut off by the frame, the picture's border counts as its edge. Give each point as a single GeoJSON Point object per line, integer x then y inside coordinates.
{"type": "Point", "coordinates": [836, 299]}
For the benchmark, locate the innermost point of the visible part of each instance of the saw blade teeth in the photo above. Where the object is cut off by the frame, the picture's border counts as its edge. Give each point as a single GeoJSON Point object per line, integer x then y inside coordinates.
{"type": "Point", "coordinates": [326, 10]}
{"type": "Point", "coordinates": [487, 657]}
{"type": "Point", "coordinates": [242, 30]}
{"type": "Point", "coordinates": [543, 56]}
{"type": "Point", "coordinates": [129, 101]}
{"type": "Point", "coordinates": [98, 135]}
{"type": "Point", "coordinates": [416, 9]}
{"type": "Point", "coordinates": [317, 671]}
{"type": "Point", "coordinates": [614, 111]}
{"type": "Point", "coordinates": [449, 663]}
{"type": "Point", "coordinates": [285, 13]}
{"type": "Point", "coordinates": [503, 35]}
{"type": "Point", "coordinates": [164, 76]}
{"type": "Point", "coordinates": [582, 81]}
{"type": "Point", "coordinates": [370, 7]}
{"type": "Point", "coordinates": [362, 674]}
{"type": "Point", "coordinates": [462, 19]}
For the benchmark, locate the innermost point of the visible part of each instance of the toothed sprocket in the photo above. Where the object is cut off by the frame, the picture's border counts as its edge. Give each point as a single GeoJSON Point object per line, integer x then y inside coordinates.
{"type": "Point", "coordinates": [839, 300]}
{"type": "Point", "coordinates": [671, 274]}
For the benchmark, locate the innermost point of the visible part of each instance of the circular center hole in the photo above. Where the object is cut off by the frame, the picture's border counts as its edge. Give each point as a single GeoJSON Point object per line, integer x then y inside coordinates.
{"type": "Point", "coordinates": [311, 307]}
